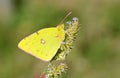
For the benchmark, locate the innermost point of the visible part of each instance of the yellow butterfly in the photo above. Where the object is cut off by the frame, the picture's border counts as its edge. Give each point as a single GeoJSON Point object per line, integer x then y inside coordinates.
{"type": "Point", "coordinates": [44, 43]}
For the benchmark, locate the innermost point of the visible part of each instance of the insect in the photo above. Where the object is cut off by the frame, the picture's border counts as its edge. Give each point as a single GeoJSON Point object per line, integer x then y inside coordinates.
{"type": "Point", "coordinates": [44, 43]}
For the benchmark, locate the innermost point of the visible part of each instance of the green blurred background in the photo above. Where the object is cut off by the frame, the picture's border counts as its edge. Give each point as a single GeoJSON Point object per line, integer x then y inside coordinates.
{"type": "Point", "coordinates": [96, 52]}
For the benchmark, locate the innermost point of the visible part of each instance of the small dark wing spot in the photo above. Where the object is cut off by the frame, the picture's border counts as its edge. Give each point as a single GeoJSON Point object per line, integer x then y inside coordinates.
{"type": "Point", "coordinates": [58, 36]}
{"type": "Point", "coordinates": [46, 54]}
{"type": "Point", "coordinates": [37, 32]}
{"type": "Point", "coordinates": [37, 50]}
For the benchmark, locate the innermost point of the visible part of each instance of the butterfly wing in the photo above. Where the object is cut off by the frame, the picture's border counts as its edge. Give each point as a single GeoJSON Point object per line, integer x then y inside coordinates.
{"type": "Point", "coordinates": [44, 43]}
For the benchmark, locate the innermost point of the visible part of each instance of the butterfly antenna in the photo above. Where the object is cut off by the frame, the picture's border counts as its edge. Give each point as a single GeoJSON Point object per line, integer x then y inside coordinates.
{"type": "Point", "coordinates": [65, 17]}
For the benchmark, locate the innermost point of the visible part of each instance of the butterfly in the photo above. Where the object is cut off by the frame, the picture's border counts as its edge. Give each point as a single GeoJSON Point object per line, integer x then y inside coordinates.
{"type": "Point", "coordinates": [44, 43]}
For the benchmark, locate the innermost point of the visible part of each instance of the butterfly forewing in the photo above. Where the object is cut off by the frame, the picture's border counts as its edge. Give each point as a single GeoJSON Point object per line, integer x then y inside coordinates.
{"type": "Point", "coordinates": [44, 43]}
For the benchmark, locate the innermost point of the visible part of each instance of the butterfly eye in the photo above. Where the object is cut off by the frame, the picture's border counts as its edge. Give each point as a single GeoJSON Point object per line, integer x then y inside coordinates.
{"type": "Point", "coordinates": [61, 26]}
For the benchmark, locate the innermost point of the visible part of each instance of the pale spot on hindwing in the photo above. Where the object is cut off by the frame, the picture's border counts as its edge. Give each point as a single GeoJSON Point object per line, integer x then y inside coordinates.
{"type": "Point", "coordinates": [42, 41]}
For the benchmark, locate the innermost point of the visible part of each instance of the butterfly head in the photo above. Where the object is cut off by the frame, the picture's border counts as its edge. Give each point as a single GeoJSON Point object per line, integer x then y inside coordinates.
{"type": "Point", "coordinates": [60, 27]}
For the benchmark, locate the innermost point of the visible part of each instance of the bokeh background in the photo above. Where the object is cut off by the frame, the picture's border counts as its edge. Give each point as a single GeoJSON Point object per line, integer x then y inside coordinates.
{"type": "Point", "coordinates": [96, 52]}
